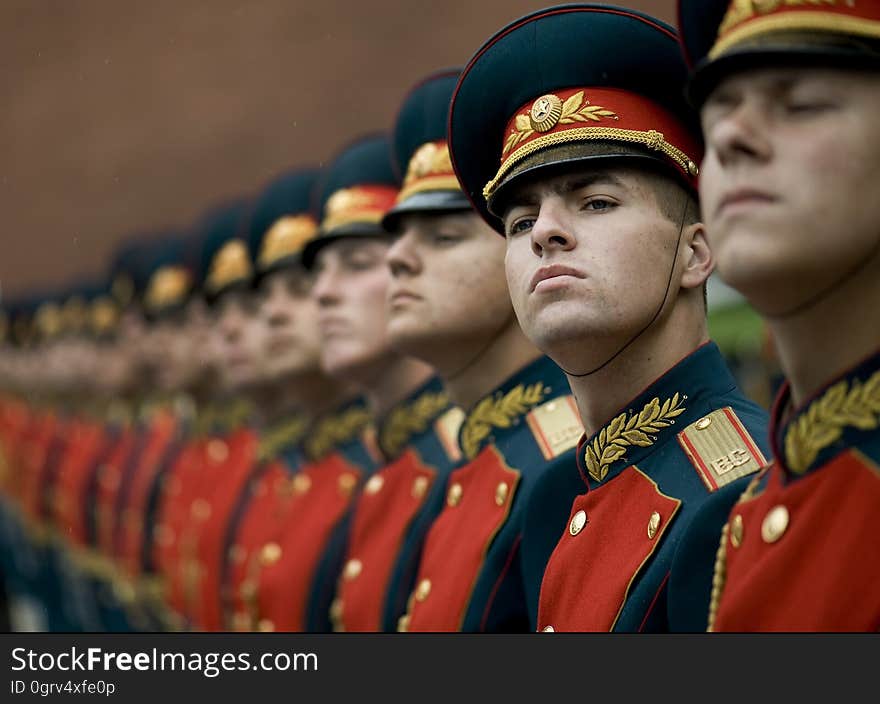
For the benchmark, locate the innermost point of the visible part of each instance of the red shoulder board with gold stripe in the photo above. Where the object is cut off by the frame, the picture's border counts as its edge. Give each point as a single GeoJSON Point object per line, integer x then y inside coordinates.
{"type": "Point", "coordinates": [720, 448]}
{"type": "Point", "coordinates": [556, 426]}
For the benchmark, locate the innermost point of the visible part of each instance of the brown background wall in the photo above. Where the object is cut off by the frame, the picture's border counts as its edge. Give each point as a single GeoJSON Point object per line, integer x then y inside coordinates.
{"type": "Point", "coordinates": [120, 116]}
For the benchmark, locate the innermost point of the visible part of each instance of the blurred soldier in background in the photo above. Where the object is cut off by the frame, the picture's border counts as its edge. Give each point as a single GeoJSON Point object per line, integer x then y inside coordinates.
{"type": "Point", "coordinates": [298, 578]}
{"type": "Point", "coordinates": [292, 392]}
{"type": "Point", "coordinates": [789, 95]}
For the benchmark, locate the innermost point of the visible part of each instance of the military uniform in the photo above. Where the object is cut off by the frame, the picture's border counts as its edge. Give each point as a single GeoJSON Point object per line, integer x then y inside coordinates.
{"type": "Point", "coordinates": [472, 575]}
{"type": "Point", "coordinates": [294, 580]}
{"type": "Point", "coordinates": [419, 440]}
{"type": "Point", "coordinates": [293, 577]}
{"type": "Point", "coordinates": [278, 228]}
{"type": "Point", "coordinates": [797, 550]}
{"type": "Point", "coordinates": [216, 487]}
{"type": "Point", "coordinates": [419, 437]}
{"type": "Point", "coordinates": [554, 89]}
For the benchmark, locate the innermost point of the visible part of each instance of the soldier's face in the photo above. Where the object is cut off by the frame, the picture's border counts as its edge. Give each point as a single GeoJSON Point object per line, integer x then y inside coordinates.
{"type": "Point", "coordinates": [237, 341]}
{"type": "Point", "coordinates": [448, 293]}
{"type": "Point", "coordinates": [290, 317]}
{"type": "Point", "coordinates": [351, 283]}
{"type": "Point", "coordinates": [789, 181]}
{"type": "Point", "coordinates": [589, 255]}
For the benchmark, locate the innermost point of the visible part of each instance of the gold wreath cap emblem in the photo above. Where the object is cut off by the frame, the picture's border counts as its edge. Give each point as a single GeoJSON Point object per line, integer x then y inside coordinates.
{"type": "Point", "coordinates": [545, 112]}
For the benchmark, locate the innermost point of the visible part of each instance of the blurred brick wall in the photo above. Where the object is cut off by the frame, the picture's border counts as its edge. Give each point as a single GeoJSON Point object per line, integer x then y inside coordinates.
{"type": "Point", "coordinates": [121, 116]}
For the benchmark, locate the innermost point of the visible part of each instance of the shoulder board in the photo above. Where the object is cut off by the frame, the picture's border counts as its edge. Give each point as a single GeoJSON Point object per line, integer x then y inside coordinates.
{"type": "Point", "coordinates": [556, 426]}
{"type": "Point", "coordinates": [720, 448]}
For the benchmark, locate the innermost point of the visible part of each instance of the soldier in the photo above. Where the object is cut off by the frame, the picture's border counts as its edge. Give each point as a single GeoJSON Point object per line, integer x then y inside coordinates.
{"type": "Point", "coordinates": [202, 488]}
{"type": "Point", "coordinates": [293, 393]}
{"type": "Point", "coordinates": [297, 582]}
{"type": "Point", "coordinates": [449, 305]}
{"type": "Point", "coordinates": [581, 153]}
{"type": "Point", "coordinates": [789, 95]}
{"type": "Point", "coordinates": [419, 435]}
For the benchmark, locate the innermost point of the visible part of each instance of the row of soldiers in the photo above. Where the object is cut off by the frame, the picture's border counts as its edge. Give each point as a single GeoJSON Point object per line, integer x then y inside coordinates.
{"type": "Point", "coordinates": [460, 378]}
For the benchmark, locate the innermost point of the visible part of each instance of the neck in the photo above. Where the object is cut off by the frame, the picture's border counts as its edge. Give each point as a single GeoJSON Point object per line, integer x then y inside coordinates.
{"type": "Point", "coordinates": [830, 336]}
{"type": "Point", "coordinates": [392, 381]}
{"type": "Point", "coordinates": [313, 393]}
{"type": "Point", "coordinates": [600, 396]}
{"type": "Point", "coordinates": [509, 352]}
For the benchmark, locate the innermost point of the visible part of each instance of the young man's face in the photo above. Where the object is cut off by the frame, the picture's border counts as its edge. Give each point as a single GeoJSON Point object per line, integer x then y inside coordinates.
{"type": "Point", "coordinates": [589, 254]}
{"type": "Point", "coordinates": [238, 341]}
{"type": "Point", "coordinates": [788, 185]}
{"type": "Point", "coordinates": [351, 283]}
{"type": "Point", "coordinates": [448, 285]}
{"type": "Point", "coordinates": [176, 348]}
{"type": "Point", "coordinates": [290, 316]}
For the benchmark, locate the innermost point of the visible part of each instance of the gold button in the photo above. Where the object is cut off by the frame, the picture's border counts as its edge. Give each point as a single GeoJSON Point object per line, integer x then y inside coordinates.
{"type": "Point", "coordinates": [217, 450]}
{"type": "Point", "coordinates": [353, 568]}
{"type": "Point", "coordinates": [419, 487]}
{"type": "Point", "coordinates": [736, 531]}
{"type": "Point", "coordinates": [265, 625]}
{"type": "Point", "coordinates": [501, 492]}
{"type": "Point", "coordinates": [423, 590]}
{"type": "Point", "coordinates": [270, 554]}
{"type": "Point", "coordinates": [578, 521]}
{"type": "Point", "coordinates": [693, 169]}
{"type": "Point", "coordinates": [347, 482]}
{"type": "Point", "coordinates": [703, 423]}
{"type": "Point", "coordinates": [403, 624]}
{"type": "Point", "coordinates": [237, 554]}
{"type": "Point", "coordinates": [241, 621]}
{"type": "Point", "coordinates": [775, 523]}
{"type": "Point", "coordinates": [374, 485]}
{"type": "Point", "coordinates": [336, 609]}
{"type": "Point", "coordinates": [453, 498]}
{"type": "Point", "coordinates": [301, 483]}
{"type": "Point", "coordinates": [653, 525]}
{"type": "Point", "coordinates": [548, 629]}
{"type": "Point", "coordinates": [200, 510]}
{"type": "Point", "coordinates": [248, 589]}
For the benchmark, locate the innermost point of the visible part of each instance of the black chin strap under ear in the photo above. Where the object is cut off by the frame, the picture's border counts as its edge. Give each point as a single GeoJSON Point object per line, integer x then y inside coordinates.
{"type": "Point", "coordinates": [656, 313]}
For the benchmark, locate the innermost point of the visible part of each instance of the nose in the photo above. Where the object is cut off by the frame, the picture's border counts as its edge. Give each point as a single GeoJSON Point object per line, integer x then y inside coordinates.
{"type": "Point", "coordinates": [325, 289]}
{"type": "Point", "coordinates": [402, 257]}
{"type": "Point", "coordinates": [738, 135]}
{"type": "Point", "coordinates": [231, 324]}
{"type": "Point", "coordinates": [551, 230]}
{"type": "Point", "coordinates": [277, 308]}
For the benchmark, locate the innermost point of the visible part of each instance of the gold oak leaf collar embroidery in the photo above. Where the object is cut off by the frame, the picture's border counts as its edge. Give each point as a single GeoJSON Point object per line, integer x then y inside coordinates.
{"type": "Point", "coordinates": [639, 429]}
{"type": "Point", "coordinates": [498, 411]}
{"type": "Point", "coordinates": [336, 430]}
{"type": "Point", "coordinates": [410, 419]}
{"type": "Point", "coordinates": [824, 421]}
{"type": "Point", "coordinates": [283, 435]}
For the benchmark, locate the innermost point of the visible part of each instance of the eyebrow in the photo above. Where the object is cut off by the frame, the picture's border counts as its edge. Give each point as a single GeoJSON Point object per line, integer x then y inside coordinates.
{"type": "Point", "coordinates": [531, 195]}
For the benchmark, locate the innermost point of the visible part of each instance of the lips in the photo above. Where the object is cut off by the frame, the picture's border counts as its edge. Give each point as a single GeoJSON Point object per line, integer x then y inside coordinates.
{"type": "Point", "coordinates": [743, 196]}
{"type": "Point", "coordinates": [399, 296]}
{"type": "Point", "coordinates": [280, 343]}
{"type": "Point", "coordinates": [333, 326]}
{"type": "Point", "coordinates": [551, 272]}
